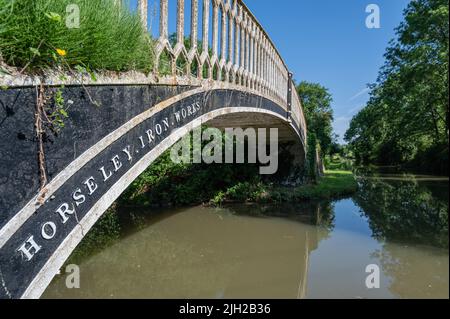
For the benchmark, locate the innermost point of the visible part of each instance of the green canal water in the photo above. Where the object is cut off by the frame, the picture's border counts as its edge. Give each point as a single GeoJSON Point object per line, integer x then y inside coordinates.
{"type": "Point", "coordinates": [398, 222]}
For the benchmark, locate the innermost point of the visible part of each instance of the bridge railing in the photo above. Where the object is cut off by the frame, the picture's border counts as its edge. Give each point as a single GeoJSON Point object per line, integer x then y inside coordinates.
{"type": "Point", "coordinates": [232, 48]}
{"type": "Point", "coordinates": [297, 111]}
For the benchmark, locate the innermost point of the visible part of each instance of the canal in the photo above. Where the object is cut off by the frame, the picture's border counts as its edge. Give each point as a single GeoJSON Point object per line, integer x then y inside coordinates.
{"type": "Point", "coordinates": [397, 222]}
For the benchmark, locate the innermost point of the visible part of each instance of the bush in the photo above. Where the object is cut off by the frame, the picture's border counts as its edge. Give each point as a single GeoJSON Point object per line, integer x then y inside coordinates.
{"type": "Point", "coordinates": [241, 192]}
{"type": "Point", "coordinates": [337, 162]}
{"type": "Point", "coordinates": [34, 34]}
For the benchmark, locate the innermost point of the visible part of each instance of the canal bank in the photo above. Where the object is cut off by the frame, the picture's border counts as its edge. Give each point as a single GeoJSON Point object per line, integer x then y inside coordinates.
{"type": "Point", "coordinates": [334, 184]}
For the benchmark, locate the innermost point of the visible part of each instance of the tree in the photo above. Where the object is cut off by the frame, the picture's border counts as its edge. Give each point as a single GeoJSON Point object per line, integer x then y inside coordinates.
{"type": "Point", "coordinates": [406, 118]}
{"type": "Point", "coordinates": [316, 102]}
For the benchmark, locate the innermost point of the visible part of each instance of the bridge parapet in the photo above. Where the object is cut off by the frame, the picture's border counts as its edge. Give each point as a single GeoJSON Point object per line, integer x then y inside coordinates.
{"type": "Point", "coordinates": [240, 53]}
{"type": "Point", "coordinates": [226, 47]}
{"type": "Point", "coordinates": [297, 111]}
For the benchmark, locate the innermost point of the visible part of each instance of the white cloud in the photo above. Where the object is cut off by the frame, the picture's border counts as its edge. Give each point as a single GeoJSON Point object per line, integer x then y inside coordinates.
{"type": "Point", "coordinates": [355, 109]}
{"type": "Point", "coordinates": [360, 93]}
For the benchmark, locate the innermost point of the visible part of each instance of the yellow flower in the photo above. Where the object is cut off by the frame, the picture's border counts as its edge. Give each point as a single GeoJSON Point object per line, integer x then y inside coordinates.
{"type": "Point", "coordinates": [61, 52]}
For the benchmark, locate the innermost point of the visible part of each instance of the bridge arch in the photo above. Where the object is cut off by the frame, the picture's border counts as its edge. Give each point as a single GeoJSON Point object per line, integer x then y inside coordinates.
{"type": "Point", "coordinates": [36, 241]}
{"type": "Point", "coordinates": [101, 150]}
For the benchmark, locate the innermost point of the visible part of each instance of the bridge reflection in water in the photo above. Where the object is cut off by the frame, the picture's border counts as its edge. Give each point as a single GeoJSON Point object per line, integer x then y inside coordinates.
{"type": "Point", "coordinates": [201, 252]}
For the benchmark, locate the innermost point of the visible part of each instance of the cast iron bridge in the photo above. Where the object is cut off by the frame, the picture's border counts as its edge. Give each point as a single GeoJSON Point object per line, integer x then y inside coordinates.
{"type": "Point", "coordinates": [55, 186]}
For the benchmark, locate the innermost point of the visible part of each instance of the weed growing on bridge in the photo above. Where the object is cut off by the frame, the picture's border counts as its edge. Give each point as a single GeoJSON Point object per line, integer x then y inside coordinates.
{"type": "Point", "coordinates": [109, 37]}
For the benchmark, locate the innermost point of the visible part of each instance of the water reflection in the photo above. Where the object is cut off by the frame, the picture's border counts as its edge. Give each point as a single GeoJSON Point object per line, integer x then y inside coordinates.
{"type": "Point", "coordinates": [309, 250]}
{"type": "Point", "coordinates": [315, 213]}
{"type": "Point", "coordinates": [406, 208]}
{"type": "Point", "coordinates": [414, 271]}
{"type": "Point", "coordinates": [337, 267]}
{"type": "Point", "coordinates": [201, 253]}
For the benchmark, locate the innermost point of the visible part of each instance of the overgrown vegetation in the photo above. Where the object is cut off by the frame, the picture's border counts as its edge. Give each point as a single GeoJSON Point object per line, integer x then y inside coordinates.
{"type": "Point", "coordinates": [333, 185]}
{"type": "Point", "coordinates": [406, 119]}
{"type": "Point", "coordinates": [168, 183]}
{"type": "Point", "coordinates": [316, 101]}
{"type": "Point", "coordinates": [34, 36]}
{"type": "Point", "coordinates": [338, 162]}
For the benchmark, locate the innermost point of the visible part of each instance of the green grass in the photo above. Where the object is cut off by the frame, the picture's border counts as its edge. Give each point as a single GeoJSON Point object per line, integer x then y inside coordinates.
{"type": "Point", "coordinates": [337, 162]}
{"type": "Point", "coordinates": [109, 37]}
{"type": "Point", "coordinates": [333, 185]}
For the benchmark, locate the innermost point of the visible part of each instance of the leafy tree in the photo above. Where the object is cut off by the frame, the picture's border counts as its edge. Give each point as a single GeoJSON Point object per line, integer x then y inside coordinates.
{"type": "Point", "coordinates": [316, 102]}
{"type": "Point", "coordinates": [406, 118]}
{"type": "Point", "coordinates": [311, 157]}
{"type": "Point", "coordinates": [335, 147]}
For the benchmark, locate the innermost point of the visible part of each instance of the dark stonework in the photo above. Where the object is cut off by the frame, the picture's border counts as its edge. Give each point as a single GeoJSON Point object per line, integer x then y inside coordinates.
{"type": "Point", "coordinates": [291, 166]}
{"type": "Point", "coordinates": [86, 125]}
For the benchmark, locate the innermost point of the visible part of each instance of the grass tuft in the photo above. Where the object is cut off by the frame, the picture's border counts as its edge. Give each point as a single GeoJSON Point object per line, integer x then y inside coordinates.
{"type": "Point", "coordinates": [33, 34]}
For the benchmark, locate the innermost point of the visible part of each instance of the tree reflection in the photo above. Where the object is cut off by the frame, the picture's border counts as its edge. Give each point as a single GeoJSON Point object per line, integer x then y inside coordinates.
{"type": "Point", "coordinates": [404, 209]}
{"type": "Point", "coordinates": [317, 213]}
{"type": "Point", "coordinates": [415, 273]}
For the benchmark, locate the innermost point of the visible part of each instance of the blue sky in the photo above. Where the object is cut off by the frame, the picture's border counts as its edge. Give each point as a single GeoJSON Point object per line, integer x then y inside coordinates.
{"type": "Point", "coordinates": [326, 41]}
{"type": "Point", "coordinates": [323, 41]}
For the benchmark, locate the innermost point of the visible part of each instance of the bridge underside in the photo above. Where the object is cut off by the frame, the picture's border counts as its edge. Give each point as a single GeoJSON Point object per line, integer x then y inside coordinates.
{"type": "Point", "coordinates": [290, 147]}
{"type": "Point", "coordinates": [256, 120]}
